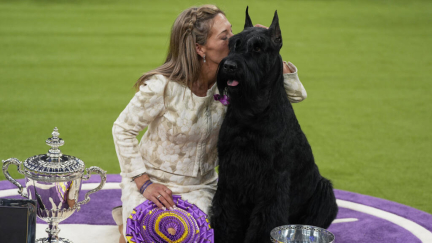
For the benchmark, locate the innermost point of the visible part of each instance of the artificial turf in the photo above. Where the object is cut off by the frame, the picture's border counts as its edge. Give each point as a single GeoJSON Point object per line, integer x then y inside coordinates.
{"type": "Point", "coordinates": [365, 66]}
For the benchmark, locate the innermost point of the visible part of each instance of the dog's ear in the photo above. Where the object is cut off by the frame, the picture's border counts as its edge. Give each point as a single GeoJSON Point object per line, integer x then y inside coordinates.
{"type": "Point", "coordinates": [275, 31]}
{"type": "Point", "coordinates": [248, 22]}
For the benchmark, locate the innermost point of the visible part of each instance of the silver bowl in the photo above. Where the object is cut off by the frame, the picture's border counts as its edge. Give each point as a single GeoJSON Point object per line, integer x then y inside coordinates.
{"type": "Point", "coordinates": [297, 233]}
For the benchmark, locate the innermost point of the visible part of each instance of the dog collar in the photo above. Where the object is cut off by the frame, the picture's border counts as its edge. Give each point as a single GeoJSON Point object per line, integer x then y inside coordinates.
{"type": "Point", "coordinates": [222, 98]}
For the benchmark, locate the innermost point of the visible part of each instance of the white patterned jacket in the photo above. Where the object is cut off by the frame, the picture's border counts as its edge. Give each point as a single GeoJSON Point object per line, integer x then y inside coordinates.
{"type": "Point", "coordinates": [182, 135]}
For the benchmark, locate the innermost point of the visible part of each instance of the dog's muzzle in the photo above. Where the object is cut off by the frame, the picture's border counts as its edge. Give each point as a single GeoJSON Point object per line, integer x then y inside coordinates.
{"type": "Point", "coordinates": [230, 67]}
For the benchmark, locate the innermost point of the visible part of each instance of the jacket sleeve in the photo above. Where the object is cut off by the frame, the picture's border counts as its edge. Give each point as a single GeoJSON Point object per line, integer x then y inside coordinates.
{"type": "Point", "coordinates": [294, 88]}
{"type": "Point", "coordinates": [145, 106]}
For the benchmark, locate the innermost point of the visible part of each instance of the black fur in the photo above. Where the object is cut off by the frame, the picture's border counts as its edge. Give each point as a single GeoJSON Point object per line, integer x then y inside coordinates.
{"type": "Point", "coordinates": [267, 173]}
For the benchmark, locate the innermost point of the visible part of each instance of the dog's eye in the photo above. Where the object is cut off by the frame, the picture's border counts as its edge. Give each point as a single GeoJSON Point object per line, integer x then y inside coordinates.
{"type": "Point", "coordinates": [237, 44]}
{"type": "Point", "coordinates": [256, 49]}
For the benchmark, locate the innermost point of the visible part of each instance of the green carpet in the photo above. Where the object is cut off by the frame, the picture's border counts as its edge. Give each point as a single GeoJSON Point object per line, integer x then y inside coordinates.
{"type": "Point", "coordinates": [365, 65]}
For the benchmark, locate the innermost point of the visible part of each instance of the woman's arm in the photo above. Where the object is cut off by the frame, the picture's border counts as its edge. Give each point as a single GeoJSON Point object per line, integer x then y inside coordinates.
{"type": "Point", "coordinates": [294, 88]}
{"type": "Point", "coordinates": [144, 107]}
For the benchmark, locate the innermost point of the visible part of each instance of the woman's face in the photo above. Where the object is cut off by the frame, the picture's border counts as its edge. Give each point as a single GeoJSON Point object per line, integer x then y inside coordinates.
{"type": "Point", "coordinates": [216, 47]}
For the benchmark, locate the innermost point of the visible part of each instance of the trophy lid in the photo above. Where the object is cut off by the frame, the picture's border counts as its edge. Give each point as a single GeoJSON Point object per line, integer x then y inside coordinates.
{"type": "Point", "coordinates": [54, 166]}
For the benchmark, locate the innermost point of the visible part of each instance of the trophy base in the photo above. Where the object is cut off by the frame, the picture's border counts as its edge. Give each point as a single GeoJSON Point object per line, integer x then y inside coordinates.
{"type": "Point", "coordinates": [46, 240]}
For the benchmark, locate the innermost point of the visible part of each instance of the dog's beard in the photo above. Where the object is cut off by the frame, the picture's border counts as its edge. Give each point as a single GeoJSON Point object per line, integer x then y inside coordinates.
{"type": "Point", "coordinates": [229, 83]}
{"type": "Point", "coordinates": [243, 85]}
{"type": "Point", "coordinates": [231, 87]}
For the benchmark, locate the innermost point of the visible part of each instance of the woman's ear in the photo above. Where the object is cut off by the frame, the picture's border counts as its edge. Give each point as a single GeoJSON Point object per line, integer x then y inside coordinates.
{"type": "Point", "coordinates": [200, 50]}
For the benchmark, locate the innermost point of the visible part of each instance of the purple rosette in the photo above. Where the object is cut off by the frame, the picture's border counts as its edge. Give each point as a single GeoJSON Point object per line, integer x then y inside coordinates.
{"type": "Point", "coordinates": [222, 98]}
{"type": "Point", "coordinates": [186, 224]}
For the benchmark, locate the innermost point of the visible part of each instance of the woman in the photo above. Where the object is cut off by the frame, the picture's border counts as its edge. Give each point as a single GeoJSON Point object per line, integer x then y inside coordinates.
{"type": "Point", "coordinates": [178, 153]}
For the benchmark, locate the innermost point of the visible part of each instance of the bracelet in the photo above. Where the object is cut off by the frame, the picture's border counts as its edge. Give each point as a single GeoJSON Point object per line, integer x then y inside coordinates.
{"type": "Point", "coordinates": [133, 178]}
{"type": "Point", "coordinates": [144, 187]}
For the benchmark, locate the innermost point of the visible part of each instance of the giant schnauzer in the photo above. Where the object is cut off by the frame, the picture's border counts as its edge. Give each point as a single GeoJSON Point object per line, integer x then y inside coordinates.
{"type": "Point", "coordinates": [267, 173]}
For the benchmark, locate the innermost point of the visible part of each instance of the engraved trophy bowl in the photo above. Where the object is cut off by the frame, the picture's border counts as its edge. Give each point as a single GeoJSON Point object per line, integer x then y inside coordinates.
{"type": "Point", "coordinates": [297, 233]}
{"type": "Point", "coordinates": [54, 181]}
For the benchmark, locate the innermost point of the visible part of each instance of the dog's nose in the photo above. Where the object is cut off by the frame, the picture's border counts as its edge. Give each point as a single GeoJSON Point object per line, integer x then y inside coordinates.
{"type": "Point", "coordinates": [230, 66]}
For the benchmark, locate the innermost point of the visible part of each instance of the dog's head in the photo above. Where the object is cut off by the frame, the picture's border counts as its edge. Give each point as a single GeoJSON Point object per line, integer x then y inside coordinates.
{"type": "Point", "coordinates": [253, 64]}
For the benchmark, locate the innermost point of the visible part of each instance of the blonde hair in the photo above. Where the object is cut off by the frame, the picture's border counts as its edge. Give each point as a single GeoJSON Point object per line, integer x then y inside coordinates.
{"type": "Point", "coordinates": [182, 64]}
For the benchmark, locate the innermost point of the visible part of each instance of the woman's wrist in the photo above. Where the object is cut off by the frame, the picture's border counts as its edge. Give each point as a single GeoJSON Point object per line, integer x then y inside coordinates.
{"type": "Point", "coordinates": [140, 180]}
{"type": "Point", "coordinates": [134, 177]}
{"type": "Point", "coordinates": [145, 186]}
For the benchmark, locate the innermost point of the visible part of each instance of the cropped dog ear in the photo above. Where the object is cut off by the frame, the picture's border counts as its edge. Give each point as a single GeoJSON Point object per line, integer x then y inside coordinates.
{"type": "Point", "coordinates": [248, 22]}
{"type": "Point", "coordinates": [275, 31]}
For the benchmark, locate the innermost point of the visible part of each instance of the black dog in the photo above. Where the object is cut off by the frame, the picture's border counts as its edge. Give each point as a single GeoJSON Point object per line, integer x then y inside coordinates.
{"type": "Point", "coordinates": [267, 173]}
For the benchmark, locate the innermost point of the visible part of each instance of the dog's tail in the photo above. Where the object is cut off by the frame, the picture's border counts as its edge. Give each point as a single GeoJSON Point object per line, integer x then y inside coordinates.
{"type": "Point", "coordinates": [321, 208]}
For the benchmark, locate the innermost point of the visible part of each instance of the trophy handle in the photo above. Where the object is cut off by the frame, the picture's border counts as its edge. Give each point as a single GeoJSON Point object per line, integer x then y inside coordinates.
{"type": "Point", "coordinates": [102, 174]}
{"type": "Point", "coordinates": [16, 162]}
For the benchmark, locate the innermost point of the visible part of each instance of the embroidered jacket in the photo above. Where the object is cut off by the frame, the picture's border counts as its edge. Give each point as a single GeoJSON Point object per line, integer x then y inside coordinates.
{"type": "Point", "coordinates": [182, 134]}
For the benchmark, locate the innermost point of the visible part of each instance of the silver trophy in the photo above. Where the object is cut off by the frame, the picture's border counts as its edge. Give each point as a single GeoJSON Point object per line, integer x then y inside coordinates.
{"type": "Point", "coordinates": [294, 233]}
{"type": "Point", "coordinates": [54, 180]}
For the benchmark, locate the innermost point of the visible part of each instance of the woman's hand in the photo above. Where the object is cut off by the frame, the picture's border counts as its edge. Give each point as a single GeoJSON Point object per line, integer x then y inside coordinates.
{"type": "Point", "coordinates": [261, 26]}
{"type": "Point", "coordinates": [157, 193]}
{"type": "Point", "coordinates": [286, 69]}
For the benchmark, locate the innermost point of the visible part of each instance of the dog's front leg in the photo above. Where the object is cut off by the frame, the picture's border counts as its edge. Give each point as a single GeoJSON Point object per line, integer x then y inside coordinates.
{"type": "Point", "coordinates": [265, 217]}
{"type": "Point", "coordinates": [227, 219]}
